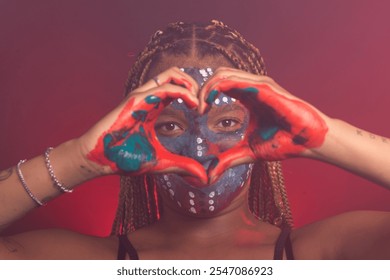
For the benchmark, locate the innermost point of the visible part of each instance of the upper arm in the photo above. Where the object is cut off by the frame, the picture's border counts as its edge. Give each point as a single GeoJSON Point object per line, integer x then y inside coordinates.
{"type": "Point", "coordinates": [54, 244]}
{"type": "Point", "coordinates": [352, 235]}
{"type": "Point", "coordinates": [364, 235]}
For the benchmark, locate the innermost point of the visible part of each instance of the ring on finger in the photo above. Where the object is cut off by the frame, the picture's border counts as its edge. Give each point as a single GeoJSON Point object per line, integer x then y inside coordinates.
{"type": "Point", "coordinates": [157, 81]}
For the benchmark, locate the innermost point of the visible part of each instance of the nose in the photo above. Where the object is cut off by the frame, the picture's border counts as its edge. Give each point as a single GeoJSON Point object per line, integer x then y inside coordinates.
{"type": "Point", "coordinates": [198, 149]}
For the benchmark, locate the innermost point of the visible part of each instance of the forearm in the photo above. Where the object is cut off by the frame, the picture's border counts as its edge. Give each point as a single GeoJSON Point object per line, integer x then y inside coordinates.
{"type": "Point", "coordinates": [356, 150]}
{"type": "Point", "coordinates": [70, 167]}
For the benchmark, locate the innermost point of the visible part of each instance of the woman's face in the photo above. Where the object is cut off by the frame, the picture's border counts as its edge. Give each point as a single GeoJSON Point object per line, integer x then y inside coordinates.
{"type": "Point", "coordinates": [202, 137]}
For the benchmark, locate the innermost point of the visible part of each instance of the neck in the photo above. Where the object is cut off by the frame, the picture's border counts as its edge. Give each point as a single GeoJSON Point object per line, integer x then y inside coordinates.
{"type": "Point", "coordinates": [230, 223]}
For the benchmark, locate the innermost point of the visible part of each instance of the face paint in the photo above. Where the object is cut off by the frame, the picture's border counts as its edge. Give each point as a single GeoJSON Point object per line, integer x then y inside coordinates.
{"type": "Point", "coordinates": [203, 137]}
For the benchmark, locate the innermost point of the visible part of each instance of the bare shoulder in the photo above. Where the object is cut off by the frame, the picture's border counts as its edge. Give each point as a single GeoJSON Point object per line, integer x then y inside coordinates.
{"type": "Point", "coordinates": [57, 244]}
{"type": "Point", "coordinates": [351, 235]}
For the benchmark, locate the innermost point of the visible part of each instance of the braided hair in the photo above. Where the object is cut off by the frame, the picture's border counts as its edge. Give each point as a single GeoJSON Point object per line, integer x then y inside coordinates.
{"type": "Point", "coordinates": [138, 200]}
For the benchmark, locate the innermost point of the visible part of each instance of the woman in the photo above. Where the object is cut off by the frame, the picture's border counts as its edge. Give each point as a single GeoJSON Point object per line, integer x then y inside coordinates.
{"type": "Point", "coordinates": [197, 141]}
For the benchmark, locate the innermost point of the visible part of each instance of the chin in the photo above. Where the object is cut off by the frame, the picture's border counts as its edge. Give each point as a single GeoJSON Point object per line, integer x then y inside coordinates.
{"type": "Point", "coordinates": [205, 202]}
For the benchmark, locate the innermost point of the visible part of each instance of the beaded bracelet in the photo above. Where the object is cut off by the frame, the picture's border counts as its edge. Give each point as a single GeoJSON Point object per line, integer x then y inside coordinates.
{"type": "Point", "coordinates": [53, 177]}
{"type": "Point", "coordinates": [26, 188]}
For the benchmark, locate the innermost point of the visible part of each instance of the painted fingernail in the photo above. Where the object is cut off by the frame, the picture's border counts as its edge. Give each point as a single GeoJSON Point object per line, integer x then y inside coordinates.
{"type": "Point", "coordinates": [212, 95]}
{"type": "Point", "coordinates": [251, 90]}
{"type": "Point", "coordinates": [152, 99]}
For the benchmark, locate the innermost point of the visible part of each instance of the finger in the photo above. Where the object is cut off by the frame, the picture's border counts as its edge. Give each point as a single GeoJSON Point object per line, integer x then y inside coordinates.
{"type": "Point", "coordinates": [235, 156]}
{"type": "Point", "coordinates": [238, 76]}
{"type": "Point", "coordinates": [209, 92]}
{"type": "Point", "coordinates": [169, 91]}
{"type": "Point", "coordinates": [223, 73]}
{"type": "Point", "coordinates": [249, 92]}
{"type": "Point", "coordinates": [152, 99]}
{"type": "Point", "coordinates": [171, 76]}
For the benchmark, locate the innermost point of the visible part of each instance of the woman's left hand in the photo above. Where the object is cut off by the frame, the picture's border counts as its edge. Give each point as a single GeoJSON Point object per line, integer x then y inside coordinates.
{"type": "Point", "coordinates": [281, 125]}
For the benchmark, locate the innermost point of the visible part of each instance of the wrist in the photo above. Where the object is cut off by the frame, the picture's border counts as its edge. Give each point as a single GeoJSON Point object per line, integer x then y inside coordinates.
{"type": "Point", "coordinates": [70, 165]}
{"type": "Point", "coordinates": [89, 167]}
{"type": "Point", "coordinates": [323, 152]}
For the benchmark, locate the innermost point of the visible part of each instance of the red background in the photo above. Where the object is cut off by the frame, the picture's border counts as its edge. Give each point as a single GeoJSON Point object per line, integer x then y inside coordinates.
{"type": "Point", "coordinates": [63, 65]}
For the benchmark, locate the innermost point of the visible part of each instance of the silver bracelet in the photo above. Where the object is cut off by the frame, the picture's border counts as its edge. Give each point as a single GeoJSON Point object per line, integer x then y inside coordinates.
{"type": "Point", "coordinates": [53, 177]}
{"type": "Point", "coordinates": [26, 188]}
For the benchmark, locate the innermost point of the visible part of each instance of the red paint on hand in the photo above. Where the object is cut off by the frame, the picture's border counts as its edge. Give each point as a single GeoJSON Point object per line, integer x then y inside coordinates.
{"type": "Point", "coordinates": [280, 126]}
{"type": "Point", "coordinates": [134, 129]}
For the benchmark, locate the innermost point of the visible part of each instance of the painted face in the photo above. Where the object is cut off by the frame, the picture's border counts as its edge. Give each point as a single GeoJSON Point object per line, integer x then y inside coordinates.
{"type": "Point", "coordinates": [202, 137]}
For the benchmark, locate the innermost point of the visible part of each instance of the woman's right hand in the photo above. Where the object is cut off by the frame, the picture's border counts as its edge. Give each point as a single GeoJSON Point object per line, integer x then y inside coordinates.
{"type": "Point", "coordinates": [281, 125]}
{"type": "Point", "coordinates": [124, 141]}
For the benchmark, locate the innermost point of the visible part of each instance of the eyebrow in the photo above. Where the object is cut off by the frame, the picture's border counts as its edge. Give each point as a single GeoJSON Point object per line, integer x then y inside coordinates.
{"type": "Point", "coordinates": [226, 108]}
{"type": "Point", "coordinates": [174, 113]}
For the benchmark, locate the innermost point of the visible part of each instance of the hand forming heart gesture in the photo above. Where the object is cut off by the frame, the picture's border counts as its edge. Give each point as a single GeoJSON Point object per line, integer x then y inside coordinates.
{"type": "Point", "coordinates": [125, 140]}
{"type": "Point", "coordinates": [281, 125]}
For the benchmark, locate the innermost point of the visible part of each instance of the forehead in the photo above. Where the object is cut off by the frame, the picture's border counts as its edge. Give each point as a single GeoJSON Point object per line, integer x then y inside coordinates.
{"type": "Point", "coordinates": [223, 105]}
{"type": "Point", "coordinates": [167, 62]}
{"type": "Point", "coordinates": [199, 75]}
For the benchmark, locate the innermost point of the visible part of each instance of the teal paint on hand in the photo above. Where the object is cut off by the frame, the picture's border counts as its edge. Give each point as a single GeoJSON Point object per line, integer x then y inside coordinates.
{"type": "Point", "coordinates": [212, 95]}
{"type": "Point", "coordinates": [134, 151]}
{"type": "Point", "coordinates": [140, 115]}
{"type": "Point", "coordinates": [152, 99]}
{"type": "Point", "coordinates": [251, 90]}
{"type": "Point", "coordinates": [269, 133]}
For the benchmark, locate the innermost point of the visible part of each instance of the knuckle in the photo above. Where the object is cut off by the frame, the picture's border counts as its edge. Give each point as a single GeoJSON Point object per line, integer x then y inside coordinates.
{"type": "Point", "coordinates": [173, 69]}
{"type": "Point", "coordinates": [269, 79]}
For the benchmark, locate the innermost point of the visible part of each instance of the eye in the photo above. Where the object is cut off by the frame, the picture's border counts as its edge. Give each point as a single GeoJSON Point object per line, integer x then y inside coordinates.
{"type": "Point", "coordinates": [228, 125]}
{"type": "Point", "coordinates": [169, 129]}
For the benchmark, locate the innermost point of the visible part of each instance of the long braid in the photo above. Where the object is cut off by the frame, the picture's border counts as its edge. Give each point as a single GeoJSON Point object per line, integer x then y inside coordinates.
{"type": "Point", "coordinates": [139, 203]}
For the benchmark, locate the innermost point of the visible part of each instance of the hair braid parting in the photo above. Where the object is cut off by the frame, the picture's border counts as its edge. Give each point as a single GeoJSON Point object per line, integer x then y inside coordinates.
{"type": "Point", "coordinates": [138, 199]}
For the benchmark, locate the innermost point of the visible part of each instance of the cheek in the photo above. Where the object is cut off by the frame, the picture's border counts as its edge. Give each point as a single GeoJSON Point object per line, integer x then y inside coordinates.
{"type": "Point", "coordinates": [177, 145]}
{"type": "Point", "coordinates": [214, 149]}
{"type": "Point", "coordinates": [222, 145]}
